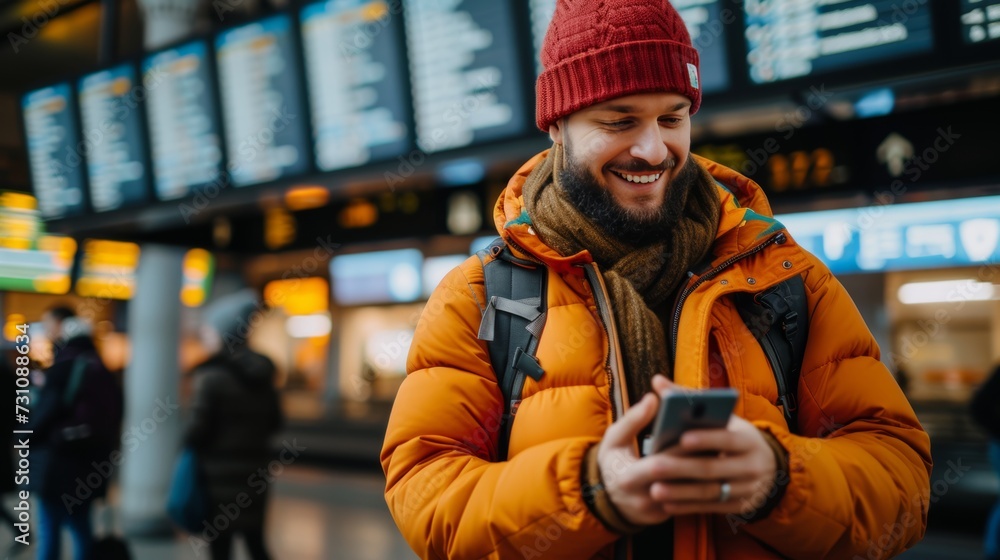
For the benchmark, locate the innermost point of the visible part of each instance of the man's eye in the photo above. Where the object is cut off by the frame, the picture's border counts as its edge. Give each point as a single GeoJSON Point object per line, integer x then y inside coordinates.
{"type": "Point", "coordinates": [671, 121]}
{"type": "Point", "coordinates": [618, 124]}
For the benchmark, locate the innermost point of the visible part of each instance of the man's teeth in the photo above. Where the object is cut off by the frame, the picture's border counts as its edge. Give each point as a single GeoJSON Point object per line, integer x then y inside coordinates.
{"type": "Point", "coordinates": [641, 179]}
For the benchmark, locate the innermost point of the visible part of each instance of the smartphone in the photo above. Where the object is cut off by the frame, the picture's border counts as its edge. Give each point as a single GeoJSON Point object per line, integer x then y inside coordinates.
{"type": "Point", "coordinates": [689, 410]}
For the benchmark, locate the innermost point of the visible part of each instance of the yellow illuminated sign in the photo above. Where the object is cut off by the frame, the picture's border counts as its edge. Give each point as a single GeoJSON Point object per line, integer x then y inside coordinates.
{"type": "Point", "coordinates": [279, 228]}
{"type": "Point", "coordinates": [22, 201]}
{"type": "Point", "coordinates": [306, 197]}
{"type": "Point", "coordinates": [358, 213]}
{"type": "Point", "coordinates": [33, 262]}
{"type": "Point", "coordinates": [801, 169]}
{"type": "Point", "coordinates": [108, 270]}
{"type": "Point", "coordinates": [299, 296]}
{"type": "Point", "coordinates": [19, 221]}
{"type": "Point", "coordinates": [10, 330]}
{"type": "Point", "coordinates": [198, 268]}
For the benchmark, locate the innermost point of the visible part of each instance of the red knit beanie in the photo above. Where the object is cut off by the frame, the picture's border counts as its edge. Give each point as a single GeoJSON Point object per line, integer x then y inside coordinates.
{"type": "Point", "coordinates": [596, 50]}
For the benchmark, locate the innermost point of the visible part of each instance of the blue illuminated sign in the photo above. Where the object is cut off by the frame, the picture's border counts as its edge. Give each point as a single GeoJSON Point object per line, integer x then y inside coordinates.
{"type": "Point", "coordinates": [379, 277]}
{"type": "Point", "coordinates": [921, 235]}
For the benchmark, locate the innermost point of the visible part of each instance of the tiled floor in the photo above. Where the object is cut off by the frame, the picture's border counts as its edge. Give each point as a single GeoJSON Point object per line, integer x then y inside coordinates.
{"type": "Point", "coordinates": [314, 515]}
{"type": "Point", "coordinates": [325, 515]}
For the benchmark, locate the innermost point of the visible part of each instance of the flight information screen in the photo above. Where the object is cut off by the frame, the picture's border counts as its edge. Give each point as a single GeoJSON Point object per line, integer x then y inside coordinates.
{"type": "Point", "coordinates": [541, 16]}
{"type": "Point", "coordinates": [54, 151]}
{"type": "Point", "coordinates": [184, 135]}
{"type": "Point", "coordinates": [262, 109]}
{"type": "Point", "coordinates": [116, 149]}
{"type": "Point", "coordinates": [465, 72]}
{"type": "Point", "coordinates": [793, 38]}
{"type": "Point", "coordinates": [980, 20]}
{"type": "Point", "coordinates": [705, 20]}
{"type": "Point", "coordinates": [355, 74]}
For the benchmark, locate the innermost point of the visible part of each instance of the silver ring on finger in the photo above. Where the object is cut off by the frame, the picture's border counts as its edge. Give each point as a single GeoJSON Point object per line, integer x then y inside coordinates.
{"type": "Point", "coordinates": [724, 492]}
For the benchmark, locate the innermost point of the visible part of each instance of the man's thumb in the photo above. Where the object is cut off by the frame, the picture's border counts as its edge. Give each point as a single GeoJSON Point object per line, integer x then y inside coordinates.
{"type": "Point", "coordinates": [627, 428]}
{"type": "Point", "coordinates": [661, 385]}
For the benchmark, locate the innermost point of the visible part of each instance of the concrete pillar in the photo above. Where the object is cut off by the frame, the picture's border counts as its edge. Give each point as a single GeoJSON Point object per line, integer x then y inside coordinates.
{"type": "Point", "coordinates": [154, 322]}
{"type": "Point", "coordinates": [333, 393]}
{"type": "Point", "coordinates": [152, 392]}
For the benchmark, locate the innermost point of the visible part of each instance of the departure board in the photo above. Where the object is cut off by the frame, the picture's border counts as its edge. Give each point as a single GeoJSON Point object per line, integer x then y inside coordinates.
{"type": "Point", "coordinates": [541, 16]}
{"type": "Point", "coordinates": [705, 20]}
{"type": "Point", "coordinates": [793, 38]}
{"type": "Point", "coordinates": [262, 106]}
{"type": "Point", "coordinates": [54, 151]}
{"type": "Point", "coordinates": [184, 135]}
{"type": "Point", "coordinates": [465, 71]}
{"type": "Point", "coordinates": [980, 20]}
{"type": "Point", "coordinates": [116, 147]}
{"type": "Point", "coordinates": [356, 80]}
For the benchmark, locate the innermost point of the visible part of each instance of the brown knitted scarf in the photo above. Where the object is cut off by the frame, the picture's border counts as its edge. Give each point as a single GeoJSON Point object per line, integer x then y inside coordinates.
{"type": "Point", "coordinates": [640, 279]}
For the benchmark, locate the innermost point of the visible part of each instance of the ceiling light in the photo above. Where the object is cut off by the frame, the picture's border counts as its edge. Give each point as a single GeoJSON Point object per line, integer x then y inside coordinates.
{"type": "Point", "coordinates": [952, 291]}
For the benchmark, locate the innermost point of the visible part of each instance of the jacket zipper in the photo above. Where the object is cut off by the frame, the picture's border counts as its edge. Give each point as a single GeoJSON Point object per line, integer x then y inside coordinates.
{"type": "Point", "coordinates": [675, 325]}
{"type": "Point", "coordinates": [621, 547]}
{"type": "Point", "coordinates": [527, 255]}
{"type": "Point", "coordinates": [611, 363]}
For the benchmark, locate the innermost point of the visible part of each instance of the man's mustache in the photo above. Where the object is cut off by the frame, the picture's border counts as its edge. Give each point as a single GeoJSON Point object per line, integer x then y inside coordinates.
{"type": "Point", "coordinates": [639, 166]}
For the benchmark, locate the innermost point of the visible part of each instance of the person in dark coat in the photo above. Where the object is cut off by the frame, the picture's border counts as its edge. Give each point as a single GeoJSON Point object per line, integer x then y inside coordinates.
{"type": "Point", "coordinates": [235, 410]}
{"type": "Point", "coordinates": [986, 411]}
{"type": "Point", "coordinates": [76, 422]}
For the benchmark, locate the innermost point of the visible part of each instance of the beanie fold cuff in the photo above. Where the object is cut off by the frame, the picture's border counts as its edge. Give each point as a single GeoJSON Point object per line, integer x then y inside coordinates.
{"type": "Point", "coordinates": [616, 71]}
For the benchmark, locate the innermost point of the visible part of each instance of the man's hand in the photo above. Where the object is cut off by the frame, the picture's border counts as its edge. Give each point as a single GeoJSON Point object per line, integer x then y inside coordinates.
{"type": "Point", "coordinates": [624, 473]}
{"type": "Point", "coordinates": [688, 477]}
{"type": "Point", "coordinates": [650, 490]}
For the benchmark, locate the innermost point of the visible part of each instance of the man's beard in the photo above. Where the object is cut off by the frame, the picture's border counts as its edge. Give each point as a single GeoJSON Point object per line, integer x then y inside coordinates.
{"type": "Point", "coordinates": [596, 202]}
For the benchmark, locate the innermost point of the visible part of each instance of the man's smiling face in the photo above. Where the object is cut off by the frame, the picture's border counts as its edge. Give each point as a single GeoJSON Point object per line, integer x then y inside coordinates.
{"type": "Point", "coordinates": [627, 164]}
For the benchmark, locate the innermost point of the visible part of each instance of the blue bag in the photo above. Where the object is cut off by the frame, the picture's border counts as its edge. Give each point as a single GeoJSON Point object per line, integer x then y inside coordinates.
{"type": "Point", "coordinates": [187, 499]}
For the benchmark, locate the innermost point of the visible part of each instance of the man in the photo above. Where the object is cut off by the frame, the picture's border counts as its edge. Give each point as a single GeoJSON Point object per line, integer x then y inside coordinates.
{"type": "Point", "coordinates": [76, 423]}
{"type": "Point", "coordinates": [645, 246]}
{"type": "Point", "coordinates": [234, 413]}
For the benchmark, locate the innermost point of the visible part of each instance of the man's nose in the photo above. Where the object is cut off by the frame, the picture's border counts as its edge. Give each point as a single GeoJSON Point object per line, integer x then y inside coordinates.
{"type": "Point", "coordinates": [649, 146]}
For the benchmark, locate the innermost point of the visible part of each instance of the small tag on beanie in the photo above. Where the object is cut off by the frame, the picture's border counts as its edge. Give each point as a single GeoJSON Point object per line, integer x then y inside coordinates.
{"type": "Point", "coordinates": [693, 74]}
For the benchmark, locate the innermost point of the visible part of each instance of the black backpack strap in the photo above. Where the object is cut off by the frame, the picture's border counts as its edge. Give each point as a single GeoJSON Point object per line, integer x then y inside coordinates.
{"type": "Point", "coordinates": [512, 324]}
{"type": "Point", "coordinates": [779, 320]}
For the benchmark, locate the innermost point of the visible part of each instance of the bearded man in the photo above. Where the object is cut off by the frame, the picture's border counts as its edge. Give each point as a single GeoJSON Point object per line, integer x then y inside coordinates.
{"type": "Point", "coordinates": [645, 248]}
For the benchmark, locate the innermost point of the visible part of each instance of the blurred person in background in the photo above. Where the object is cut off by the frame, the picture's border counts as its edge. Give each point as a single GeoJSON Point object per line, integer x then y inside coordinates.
{"type": "Point", "coordinates": [77, 422]}
{"type": "Point", "coordinates": [645, 248]}
{"type": "Point", "coordinates": [235, 411]}
{"type": "Point", "coordinates": [986, 411]}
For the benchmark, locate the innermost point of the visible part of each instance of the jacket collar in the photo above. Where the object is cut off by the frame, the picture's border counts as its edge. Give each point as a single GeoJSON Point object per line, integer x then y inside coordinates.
{"type": "Point", "coordinates": [745, 219]}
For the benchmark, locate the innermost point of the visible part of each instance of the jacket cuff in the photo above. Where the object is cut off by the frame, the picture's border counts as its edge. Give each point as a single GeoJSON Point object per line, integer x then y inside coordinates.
{"type": "Point", "coordinates": [597, 499]}
{"type": "Point", "coordinates": [781, 477]}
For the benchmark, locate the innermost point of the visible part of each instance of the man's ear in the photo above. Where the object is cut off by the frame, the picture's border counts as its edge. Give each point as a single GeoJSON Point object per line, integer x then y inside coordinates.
{"type": "Point", "coordinates": [556, 131]}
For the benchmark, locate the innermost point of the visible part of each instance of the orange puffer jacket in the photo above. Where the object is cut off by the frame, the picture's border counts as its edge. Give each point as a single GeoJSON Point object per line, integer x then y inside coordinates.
{"type": "Point", "coordinates": [859, 471]}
